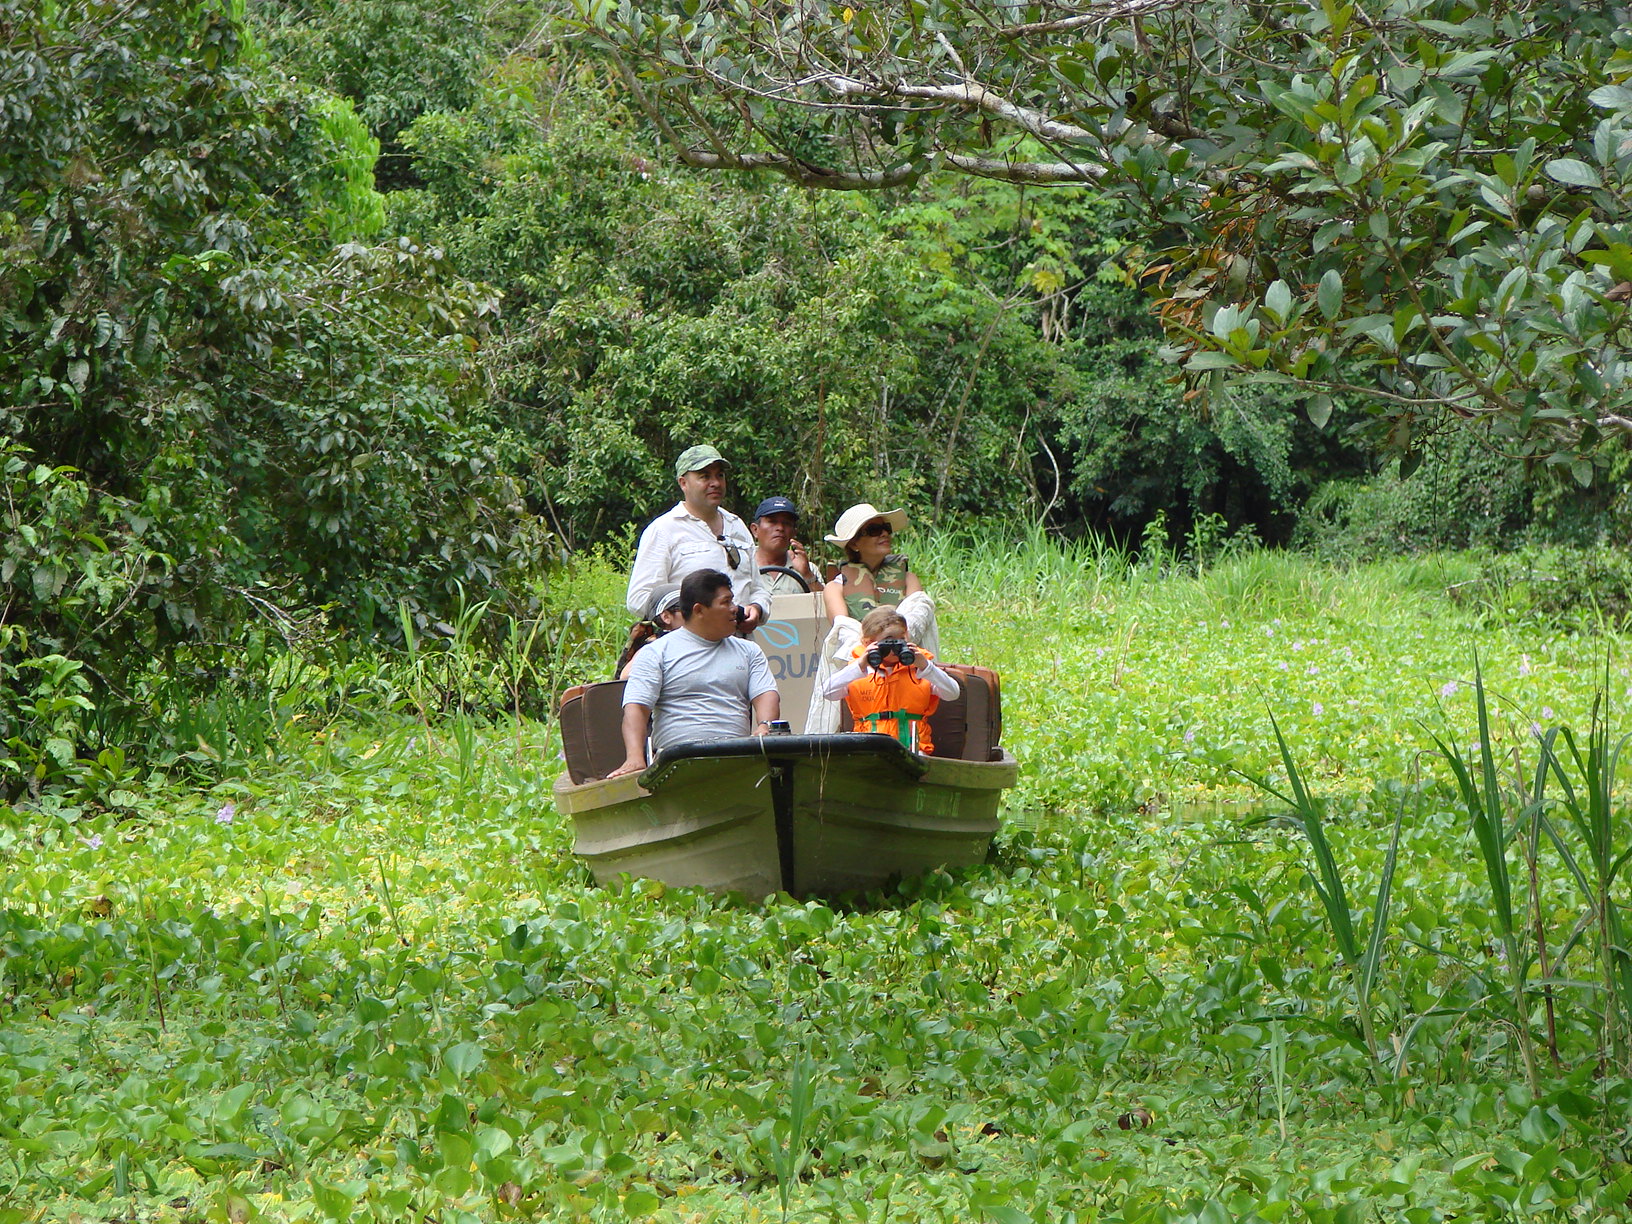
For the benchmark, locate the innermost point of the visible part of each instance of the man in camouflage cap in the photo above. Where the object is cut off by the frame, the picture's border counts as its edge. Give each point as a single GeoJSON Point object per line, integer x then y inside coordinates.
{"type": "Point", "coordinates": [699, 533]}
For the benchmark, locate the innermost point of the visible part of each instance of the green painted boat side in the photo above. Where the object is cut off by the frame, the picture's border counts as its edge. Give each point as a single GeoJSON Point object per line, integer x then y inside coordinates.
{"type": "Point", "coordinates": [711, 830]}
{"type": "Point", "coordinates": [859, 830]}
{"type": "Point", "coordinates": [808, 815]}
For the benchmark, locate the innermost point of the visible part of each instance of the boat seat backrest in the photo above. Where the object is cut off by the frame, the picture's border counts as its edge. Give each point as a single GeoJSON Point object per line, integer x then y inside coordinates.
{"type": "Point", "coordinates": [971, 726]}
{"type": "Point", "coordinates": [592, 729]}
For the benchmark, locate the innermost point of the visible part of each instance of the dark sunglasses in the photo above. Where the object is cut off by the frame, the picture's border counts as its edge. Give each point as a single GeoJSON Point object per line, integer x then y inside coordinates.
{"type": "Point", "coordinates": [733, 554]}
{"type": "Point", "coordinates": [876, 529]}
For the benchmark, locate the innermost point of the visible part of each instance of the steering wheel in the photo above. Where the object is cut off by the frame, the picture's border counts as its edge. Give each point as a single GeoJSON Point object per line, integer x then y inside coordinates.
{"type": "Point", "coordinates": [790, 572]}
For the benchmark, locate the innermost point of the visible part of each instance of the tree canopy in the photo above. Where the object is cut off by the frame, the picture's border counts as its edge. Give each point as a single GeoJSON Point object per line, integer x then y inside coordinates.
{"type": "Point", "coordinates": [1420, 201]}
{"type": "Point", "coordinates": [219, 406]}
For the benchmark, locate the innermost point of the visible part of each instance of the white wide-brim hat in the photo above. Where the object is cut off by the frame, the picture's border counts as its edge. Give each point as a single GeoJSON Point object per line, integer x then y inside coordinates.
{"type": "Point", "coordinates": [854, 519]}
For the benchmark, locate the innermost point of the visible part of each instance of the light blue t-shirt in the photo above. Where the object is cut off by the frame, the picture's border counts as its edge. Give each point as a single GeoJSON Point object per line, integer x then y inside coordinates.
{"type": "Point", "coordinates": [698, 689]}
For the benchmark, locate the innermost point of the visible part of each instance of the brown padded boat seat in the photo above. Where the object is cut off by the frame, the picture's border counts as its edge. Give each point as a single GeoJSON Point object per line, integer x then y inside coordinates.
{"type": "Point", "coordinates": [592, 729]}
{"type": "Point", "coordinates": [970, 726]}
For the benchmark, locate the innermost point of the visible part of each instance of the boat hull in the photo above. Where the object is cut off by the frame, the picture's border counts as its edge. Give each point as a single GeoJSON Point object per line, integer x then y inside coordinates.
{"type": "Point", "coordinates": [803, 814]}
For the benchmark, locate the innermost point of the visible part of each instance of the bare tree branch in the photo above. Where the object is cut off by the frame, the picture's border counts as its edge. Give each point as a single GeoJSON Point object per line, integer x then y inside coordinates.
{"type": "Point", "coordinates": [1103, 11]}
{"type": "Point", "coordinates": [1026, 172]}
{"type": "Point", "coordinates": [973, 94]}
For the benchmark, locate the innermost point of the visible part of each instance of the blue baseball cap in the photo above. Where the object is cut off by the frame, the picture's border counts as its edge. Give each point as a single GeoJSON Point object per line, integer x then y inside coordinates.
{"type": "Point", "coordinates": [776, 505]}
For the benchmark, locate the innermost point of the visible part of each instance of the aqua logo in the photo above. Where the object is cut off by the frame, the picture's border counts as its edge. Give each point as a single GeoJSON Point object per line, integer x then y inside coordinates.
{"type": "Point", "coordinates": [780, 635]}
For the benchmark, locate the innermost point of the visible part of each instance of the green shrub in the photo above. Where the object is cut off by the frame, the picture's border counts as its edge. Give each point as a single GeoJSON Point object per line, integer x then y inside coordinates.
{"type": "Point", "coordinates": [1558, 585]}
{"type": "Point", "coordinates": [217, 419]}
{"type": "Point", "coordinates": [1465, 495]}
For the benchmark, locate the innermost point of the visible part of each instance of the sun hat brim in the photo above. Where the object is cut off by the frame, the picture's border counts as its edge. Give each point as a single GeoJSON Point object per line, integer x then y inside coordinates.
{"type": "Point", "coordinates": [854, 519]}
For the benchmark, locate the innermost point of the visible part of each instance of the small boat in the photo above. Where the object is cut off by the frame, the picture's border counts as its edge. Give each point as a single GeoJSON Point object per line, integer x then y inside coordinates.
{"type": "Point", "coordinates": [801, 814]}
{"type": "Point", "coordinates": [809, 815]}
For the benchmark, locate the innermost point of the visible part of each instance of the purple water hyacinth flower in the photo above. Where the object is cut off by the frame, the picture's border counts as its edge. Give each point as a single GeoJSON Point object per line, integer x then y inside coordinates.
{"type": "Point", "coordinates": [94, 841]}
{"type": "Point", "coordinates": [1313, 670]}
{"type": "Point", "coordinates": [1190, 736]}
{"type": "Point", "coordinates": [1317, 709]}
{"type": "Point", "coordinates": [1547, 713]}
{"type": "Point", "coordinates": [1524, 665]}
{"type": "Point", "coordinates": [1448, 689]}
{"type": "Point", "coordinates": [227, 812]}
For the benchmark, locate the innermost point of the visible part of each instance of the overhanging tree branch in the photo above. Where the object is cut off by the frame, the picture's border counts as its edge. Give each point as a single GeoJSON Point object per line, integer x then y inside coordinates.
{"type": "Point", "coordinates": [1333, 190]}
{"type": "Point", "coordinates": [1100, 12]}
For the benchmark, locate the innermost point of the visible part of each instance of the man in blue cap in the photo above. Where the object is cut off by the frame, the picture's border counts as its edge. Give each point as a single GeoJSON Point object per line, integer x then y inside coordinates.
{"type": "Point", "coordinates": [774, 524]}
{"type": "Point", "coordinates": [697, 534]}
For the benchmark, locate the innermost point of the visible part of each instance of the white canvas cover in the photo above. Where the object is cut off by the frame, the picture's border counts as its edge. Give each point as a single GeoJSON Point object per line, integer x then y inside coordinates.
{"type": "Point", "coordinates": [792, 641]}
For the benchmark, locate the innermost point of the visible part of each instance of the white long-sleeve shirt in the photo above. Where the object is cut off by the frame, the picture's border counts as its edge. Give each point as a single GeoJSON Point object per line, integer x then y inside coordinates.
{"type": "Point", "coordinates": [678, 543]}
{"type": "Point", "coordinates": [941, 682]}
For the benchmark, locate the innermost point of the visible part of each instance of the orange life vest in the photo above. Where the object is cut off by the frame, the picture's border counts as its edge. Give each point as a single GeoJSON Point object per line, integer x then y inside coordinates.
{"type": "Point", "coordinates": [895, 702]}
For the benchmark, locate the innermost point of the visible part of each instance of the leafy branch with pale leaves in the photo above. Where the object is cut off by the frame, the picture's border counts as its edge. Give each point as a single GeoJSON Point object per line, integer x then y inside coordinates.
{"type": "Point", "coordinates": [1421, 204]}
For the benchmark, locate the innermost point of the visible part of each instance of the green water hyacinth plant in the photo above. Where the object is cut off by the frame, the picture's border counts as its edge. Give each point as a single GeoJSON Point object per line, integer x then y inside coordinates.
{"type": "Point", "coordinates": [389, 991]}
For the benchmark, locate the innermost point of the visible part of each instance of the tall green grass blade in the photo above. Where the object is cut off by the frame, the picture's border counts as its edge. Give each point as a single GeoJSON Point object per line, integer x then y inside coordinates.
{"type": "Point", "coordinates": [1277, 1069]}
{"type": "Point", "coordinates": [1372, 960]}
{"type": "Point", "coordinates": [1572, 806]}
{"type": "Point", "coordinates": [1482, 801]}
{"type": "Point", "coordinates": [1590, 809]}
{"type": "Point", "coordinates": [1532, 818]}
{"type": "Point", "coordinates": [790, 1159]}
{"type": "Point", "coordinates": [1490, 847]}
{"type": "Point", "coordinates": [1488, 825]}
{"type": "Point", "coordinates": [1328, 880]}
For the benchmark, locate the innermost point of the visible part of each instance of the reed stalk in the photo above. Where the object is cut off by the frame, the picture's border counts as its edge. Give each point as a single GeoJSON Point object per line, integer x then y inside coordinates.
{"type": "Point", "coordinates": [1482, 801]}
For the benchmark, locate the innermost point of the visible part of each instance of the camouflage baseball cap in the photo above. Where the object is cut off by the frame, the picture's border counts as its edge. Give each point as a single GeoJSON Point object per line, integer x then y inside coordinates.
{"type": "Point", "coordinates": [695, 458]}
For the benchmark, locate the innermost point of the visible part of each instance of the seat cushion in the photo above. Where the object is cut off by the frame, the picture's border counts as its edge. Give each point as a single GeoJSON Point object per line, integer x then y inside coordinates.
{"type": "Point", "coordinates": [969, 727]}
{"type": "Point", "coordinates": [592, 729]}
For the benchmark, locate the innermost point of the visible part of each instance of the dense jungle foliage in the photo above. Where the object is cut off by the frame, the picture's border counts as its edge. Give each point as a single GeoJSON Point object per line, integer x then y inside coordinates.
{"type": "Point", "coordinates": [325, 322]}
{"type": "Point", "coordinates": [344, 344]}
{"type": "Point", "coordinates": [1421, 204]}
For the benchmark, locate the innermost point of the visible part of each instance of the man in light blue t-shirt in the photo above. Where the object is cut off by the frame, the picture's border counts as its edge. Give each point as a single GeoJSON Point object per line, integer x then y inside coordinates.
{"type": "Point", "coordinates": [701, 682]}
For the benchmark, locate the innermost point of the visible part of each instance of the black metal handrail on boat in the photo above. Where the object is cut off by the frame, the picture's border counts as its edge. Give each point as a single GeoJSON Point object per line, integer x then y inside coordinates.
{"type": "Point", "coordinates": [783, 748]}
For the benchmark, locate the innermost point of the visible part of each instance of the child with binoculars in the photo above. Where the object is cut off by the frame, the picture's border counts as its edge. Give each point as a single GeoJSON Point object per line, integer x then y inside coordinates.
{"type": "Point", "coordinates": [891, 684]}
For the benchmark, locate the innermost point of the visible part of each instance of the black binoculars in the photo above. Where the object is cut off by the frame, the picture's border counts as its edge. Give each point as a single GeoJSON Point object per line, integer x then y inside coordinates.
{"type": "Point", "coordinates": [892, 648]}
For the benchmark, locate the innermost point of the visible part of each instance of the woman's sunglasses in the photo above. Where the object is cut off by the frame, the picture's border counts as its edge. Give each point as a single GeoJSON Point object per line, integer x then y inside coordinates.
{"type": "Point", "coordinates": [877, 529]}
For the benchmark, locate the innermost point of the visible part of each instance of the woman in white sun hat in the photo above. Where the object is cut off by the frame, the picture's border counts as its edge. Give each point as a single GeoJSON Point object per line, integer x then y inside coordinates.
{"type": "Point", "coordinates": [873, 575]}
